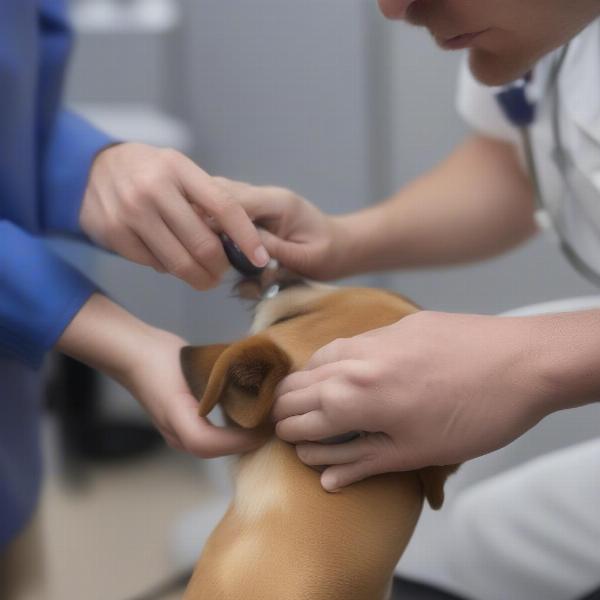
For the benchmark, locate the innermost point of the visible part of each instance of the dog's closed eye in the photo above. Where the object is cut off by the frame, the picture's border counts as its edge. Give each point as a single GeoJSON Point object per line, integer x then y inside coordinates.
{"type": "Point", "coordinates": [285, 318]}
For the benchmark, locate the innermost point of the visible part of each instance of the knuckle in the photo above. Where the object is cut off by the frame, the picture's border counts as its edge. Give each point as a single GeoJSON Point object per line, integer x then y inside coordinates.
{"type": "Point", "coordinates": [373, 450]}
{"type": "Point", "coordinates": [132, 201]}
{"type": "Point", "coordinates": [149, 182]}
{"type": "Point", "coordinates": [170, 156]}
{"type": "Point", "coordinates": [226, 206]}
{"type": "Point", "coordinates": [109, 231]}
{"type": "Point", "coordinates": [206, 249]}
{"type": "Point", "coordinates": [330, 398]}
{"type": "Point", "coordinates": [208, 282]}
{"type": "Point", "coordinates": [286, 195]}
{"type": "Point", "coordinates": [221, 181]}
{"type": "Point", "coordinates": [183, 269]}
{"type": "Point", "coordinates": [366, 376]}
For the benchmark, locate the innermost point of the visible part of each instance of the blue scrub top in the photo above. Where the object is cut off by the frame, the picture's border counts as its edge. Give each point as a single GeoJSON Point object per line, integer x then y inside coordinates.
{"type": "Point", "coordinates": [45, 157]}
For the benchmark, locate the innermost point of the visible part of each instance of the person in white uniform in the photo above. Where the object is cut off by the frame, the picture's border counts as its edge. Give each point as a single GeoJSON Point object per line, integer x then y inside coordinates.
{"type": "Point", "coordinates": [439, 388]}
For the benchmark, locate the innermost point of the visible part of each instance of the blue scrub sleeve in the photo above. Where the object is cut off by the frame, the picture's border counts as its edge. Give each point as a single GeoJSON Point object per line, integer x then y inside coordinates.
{"type": "Point", "coordinates": [71, 149]}
{"type": "Point", "coordinates": [39, 295]}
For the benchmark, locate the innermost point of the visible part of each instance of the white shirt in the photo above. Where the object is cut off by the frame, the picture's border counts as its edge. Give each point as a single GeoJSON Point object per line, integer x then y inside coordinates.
{"type": "Point", "coordinates": [576, 215]}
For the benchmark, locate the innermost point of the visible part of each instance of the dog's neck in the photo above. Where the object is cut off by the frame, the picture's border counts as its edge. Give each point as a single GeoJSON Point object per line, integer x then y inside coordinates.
{"type": "Point", "coordinates": [272, 486]}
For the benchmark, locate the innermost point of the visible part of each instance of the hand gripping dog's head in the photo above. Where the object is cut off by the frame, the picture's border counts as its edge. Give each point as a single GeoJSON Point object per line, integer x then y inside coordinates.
{"type": "Point", "coordinates": [283, 536]}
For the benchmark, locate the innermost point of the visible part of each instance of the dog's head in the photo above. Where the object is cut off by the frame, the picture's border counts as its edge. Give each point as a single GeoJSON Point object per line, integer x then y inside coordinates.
{"type": "Point", "coordinates": [286, 331]}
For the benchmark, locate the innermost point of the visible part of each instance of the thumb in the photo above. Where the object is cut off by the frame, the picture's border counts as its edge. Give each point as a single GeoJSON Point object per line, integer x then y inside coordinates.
{"type": "Point", "coordinates": [292, 255]}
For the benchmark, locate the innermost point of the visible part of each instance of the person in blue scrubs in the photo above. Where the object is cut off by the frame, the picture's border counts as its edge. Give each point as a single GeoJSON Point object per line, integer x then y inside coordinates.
{"type": "Point", "coordinates": [58, 174]}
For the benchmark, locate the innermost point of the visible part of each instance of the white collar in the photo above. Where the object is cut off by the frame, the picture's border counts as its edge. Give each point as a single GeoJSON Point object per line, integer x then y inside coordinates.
{"type": "Point", "coordinates": [579, 81]}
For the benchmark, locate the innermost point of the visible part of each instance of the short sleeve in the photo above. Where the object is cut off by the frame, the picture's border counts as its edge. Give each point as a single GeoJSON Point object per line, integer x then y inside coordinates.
{"type": "Point", "coordinates": [477, 105]}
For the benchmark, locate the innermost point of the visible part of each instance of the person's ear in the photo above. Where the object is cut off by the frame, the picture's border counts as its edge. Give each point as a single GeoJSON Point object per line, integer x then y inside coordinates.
{"type": "Point", "coordinates": [241, 377]}
{"type": "Point", "coordinates": [433, 480]}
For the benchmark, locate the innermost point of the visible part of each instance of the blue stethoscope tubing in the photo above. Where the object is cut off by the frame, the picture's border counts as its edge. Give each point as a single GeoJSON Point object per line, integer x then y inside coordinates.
{"type": "Point", "coordinates": [521, 112]}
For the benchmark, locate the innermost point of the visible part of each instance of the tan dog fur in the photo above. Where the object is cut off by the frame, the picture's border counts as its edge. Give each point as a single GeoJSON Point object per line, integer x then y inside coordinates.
{"type": "Point", "coordinates": [283, 537]}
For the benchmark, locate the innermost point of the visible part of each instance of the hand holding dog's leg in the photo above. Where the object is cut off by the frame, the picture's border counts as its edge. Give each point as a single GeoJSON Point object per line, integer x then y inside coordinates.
{"type": "Point", "coordinates": [145, 360]}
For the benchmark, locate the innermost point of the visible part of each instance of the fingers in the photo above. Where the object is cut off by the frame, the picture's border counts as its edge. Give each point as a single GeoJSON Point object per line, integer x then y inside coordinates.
{"type": "Point", "coordinates": [336, 351]}
{"type": "Point", "coordinates": [312, 426]}
{"type": "Point", "coordinates": [296, 402]}
{"type": "Point", "coordinates": [261, 203]}
{"type": "Point", "coordinates": [200, 437]}
{"type": "Point", "coordinates": [287, 403]}
{"type": "Point", "coordinates": [172, 440]}
{"type": "Point", "coordinates": [221, 204]}
{"type": "Point", "coordinates": [167, 249]}
{"type": "Point", "coordinates": [303, 391]}
{"type": "Point", "coordinates": [271, 207]}
{"type": "Point", "coordinates": [339, 476]}
{"type": "Point", "coordinates": [135, 249]}
{"type": "Point", "coordinates": [136, 194]}
{"type": "Point", "coordinates": [333, 454]}
{"type": "Point", "coordinates": [353, 461]}
{"type": "Point", "coordinates": [202, 244]}
{"type": "Point", "coordinates": [293, 255]}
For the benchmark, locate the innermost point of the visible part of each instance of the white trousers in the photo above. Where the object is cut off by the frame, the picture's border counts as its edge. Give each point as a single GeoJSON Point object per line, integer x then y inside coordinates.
{"type": "Point", "coordinates": [532, 533]}
{"type": "Point", "coordinates": [524, 522]}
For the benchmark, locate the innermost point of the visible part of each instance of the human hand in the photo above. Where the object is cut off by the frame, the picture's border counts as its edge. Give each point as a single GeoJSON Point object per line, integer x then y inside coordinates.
{"type": "Point", "coordinates": [145, 360]}
{"type": "Point", "coordinates": [294, 231]}
{"type": "Point", "coordinates": [158, 208]}
{"type": "Point", "coordinates": [432, 389]}
{"type": "Point", "coordinates": [155, 379]}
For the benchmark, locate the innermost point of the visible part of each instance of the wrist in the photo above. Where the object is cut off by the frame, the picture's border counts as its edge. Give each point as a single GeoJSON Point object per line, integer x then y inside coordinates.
{"type": "Point", "coordinates": [106, 337]}
{"type": "Point", "coordinates": [567, 356]}
{"type": "Point", "coordinates": [355, 238]}
{"type": "Point", "coordinates": [86, 215]}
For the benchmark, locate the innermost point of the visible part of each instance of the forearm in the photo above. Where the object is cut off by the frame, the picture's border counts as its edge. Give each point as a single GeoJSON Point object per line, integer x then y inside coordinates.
{"type": "Point", "coordinates": [106, 337]}
{"type": "Point", "coordinates": [567, 355]}
{"type": "Point", "coordinates": [476, 204]}
{"type": "Point", "coordinates": [146, 361]}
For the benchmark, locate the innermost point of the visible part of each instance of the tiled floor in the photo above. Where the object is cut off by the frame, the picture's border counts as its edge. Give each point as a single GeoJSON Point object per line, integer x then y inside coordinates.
{"type": "Point", "coordinates": [110, 540]}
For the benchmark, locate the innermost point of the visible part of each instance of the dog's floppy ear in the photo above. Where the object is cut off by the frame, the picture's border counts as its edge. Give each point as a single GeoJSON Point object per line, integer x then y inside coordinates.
{"type": "Point", "coordinates": [242, 377]}
{"type": "Point", "coordinates": [433, 480]}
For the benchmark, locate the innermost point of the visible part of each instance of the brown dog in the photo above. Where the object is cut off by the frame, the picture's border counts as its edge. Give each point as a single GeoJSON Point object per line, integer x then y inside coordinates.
{"type": "Point", "coordinates": [283, 537]}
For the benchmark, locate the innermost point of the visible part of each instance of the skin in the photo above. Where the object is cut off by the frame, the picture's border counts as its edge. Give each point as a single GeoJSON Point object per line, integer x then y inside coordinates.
{"type": "Point", "coordinates": [436, 389]}
{"type": "Point", "coordinates": [145, 360]}
{"type": "Point", "coordinates": [440, 388]}
{"type": "Point", "coordinates": [515, 34]}
{"type": "Point", "coordinates": [156, 207]}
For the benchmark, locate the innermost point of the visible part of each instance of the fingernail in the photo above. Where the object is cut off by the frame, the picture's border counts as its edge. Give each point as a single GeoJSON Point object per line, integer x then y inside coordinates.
{"type": "Point", "coordinates": [261, 257]}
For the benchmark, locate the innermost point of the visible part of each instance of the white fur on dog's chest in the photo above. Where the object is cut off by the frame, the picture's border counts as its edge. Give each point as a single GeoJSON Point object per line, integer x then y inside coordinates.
{"type": "Point", "coordinates": [260, 484]}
